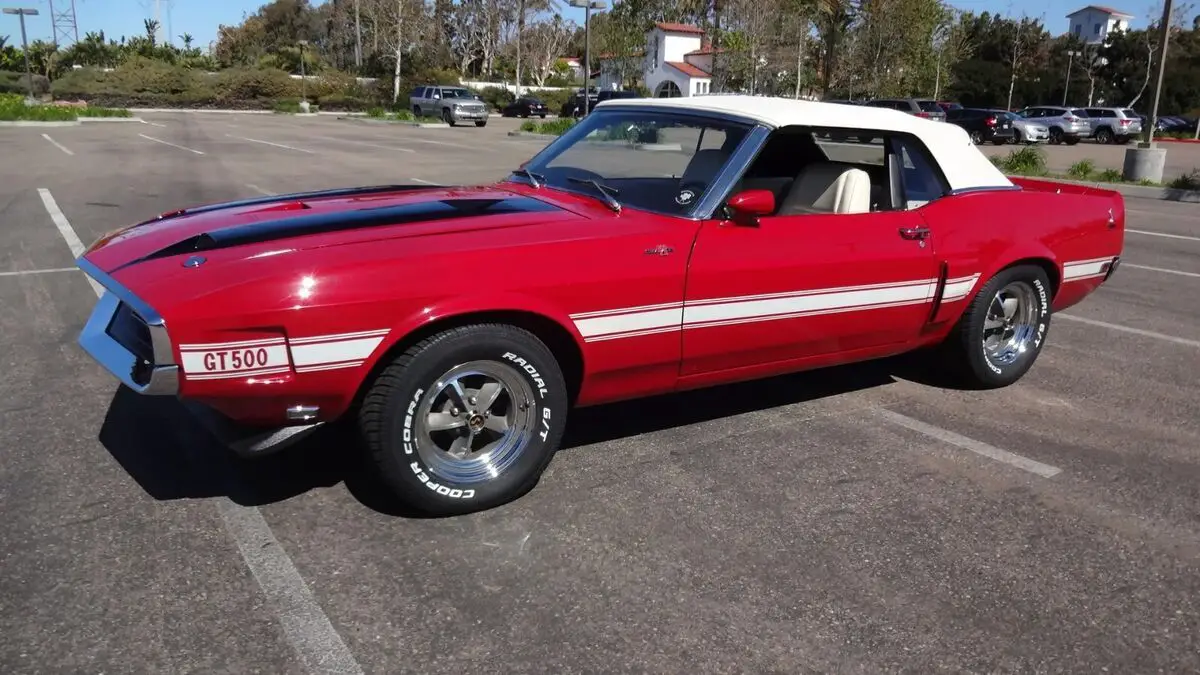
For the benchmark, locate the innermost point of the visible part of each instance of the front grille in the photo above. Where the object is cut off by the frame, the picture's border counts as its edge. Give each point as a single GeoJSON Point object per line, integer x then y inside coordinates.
{"type": "Point", "coordinates": [130, 331]}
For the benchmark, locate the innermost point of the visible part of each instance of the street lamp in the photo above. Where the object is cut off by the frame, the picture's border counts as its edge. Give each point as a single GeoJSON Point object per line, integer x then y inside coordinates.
{"type": "Point", "coordinates": [22, 13]}
{"type": "Point", "coordinates": [1071, 54]}
{"type": "Point", "coordinates": [303, 79]}
{"type": "Point", "coordinates": [588, 6]}
{"type": "Point", "coordinates": [1147, 161]}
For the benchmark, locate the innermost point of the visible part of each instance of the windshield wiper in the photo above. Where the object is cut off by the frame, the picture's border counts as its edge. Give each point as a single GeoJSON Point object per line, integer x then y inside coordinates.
{"type": "Point", "coordinates": [536, 178]}
{"type": "Point", "coordinates": [609, 193]}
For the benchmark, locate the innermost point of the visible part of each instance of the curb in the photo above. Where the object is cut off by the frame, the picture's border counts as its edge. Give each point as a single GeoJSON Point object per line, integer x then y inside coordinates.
{"type": "Point", "coordinates": [530, 134]}
{"type": "Point", "coordinates": [1136, 191]}
{"type": "Point", "coordinates": [1176, 140]}
{"type": "Point", "coordinates": [36, 123]}
{"type": "Point", "coordinates": [93, 120]}
{"type": "Point", "coordinates": [402, 123]}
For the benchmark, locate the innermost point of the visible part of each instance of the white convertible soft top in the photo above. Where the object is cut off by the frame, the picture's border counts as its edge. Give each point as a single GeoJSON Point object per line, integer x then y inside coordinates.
{"type": "Point", "coordinates": [961, 161]}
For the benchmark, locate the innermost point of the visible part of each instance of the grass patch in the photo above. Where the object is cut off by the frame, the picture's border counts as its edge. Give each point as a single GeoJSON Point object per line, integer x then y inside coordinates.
{"type": "Point", "coordinates": [292, 107]}
{"type": "Point", "coordinates": [1110, 176]}
{"type": "Point", "coordinates": [556, 127]}
{"type": "Point", "coordinates": [1188, 181]}
{"type": "Point", "coordinates": [1028, 161]}
{"type": "Point", "coordinates": [1082, 170]}
{"type": "Point", "coordinates": [13, 109]}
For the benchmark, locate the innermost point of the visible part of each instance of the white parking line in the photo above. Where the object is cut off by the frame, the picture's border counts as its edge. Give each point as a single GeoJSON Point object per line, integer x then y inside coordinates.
{"type": "Point", "coordinates": [159, 140]}
{"type": "Point", "coordinates": [305, 625]}
{"type": "Point", "coordinates": [369, 145]}
{"type": "Point", "coordinates": [278, 145]}
{"type": "Point", "coordinates": [156, 124]}
{"type": "Point", "coordinates": [259, 190]}
{"type": "Point", "coordinates": [1163, 234]}
{"type": "Point", "coordinates": [49, 270]}
{"type": "Point", "coordinates": [67, 232]}
{"type": "Point", "coordinates": [422, 180]}
{"type": "Point", "coordinates": [56, 144]}
{"type": "Point", "coordinates": [450, 145]}
{"type": "Point", "coordinates": [1161, 269]}
{"type": "Point", "coordinates": [1135, 331]}
{"type": "Point", "coordinates": [977, 447]}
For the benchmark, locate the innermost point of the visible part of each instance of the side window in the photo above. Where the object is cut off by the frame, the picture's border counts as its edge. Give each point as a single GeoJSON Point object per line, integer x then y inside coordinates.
{"type": "Point", "coordinates": [921, 181]}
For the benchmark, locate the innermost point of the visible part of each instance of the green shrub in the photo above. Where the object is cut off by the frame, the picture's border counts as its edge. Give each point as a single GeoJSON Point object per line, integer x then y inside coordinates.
{"type": "Point", "coordinates": [13, 108]}
{"type": "Point", "coordinates": [529, 125]}
{"type": "Point", "coordinates": [92, 111]}
{"type": "Point", "coordinates": [16, 83]}
{"type": "Point", "coordinates": [1188, 181]}
{"type": "Point", "coordinates": [1110, 176]}
{"type": "Point", "coordinates": [554, 98]}
{"type": "Point", "coordinates": [550, 127]}
{"type": "Point", "coordinates": [496, 97]}
{"type": "Point", "coordinates": [1082, 169]}
{"type": "Point", "coordinates": [1028, 161]}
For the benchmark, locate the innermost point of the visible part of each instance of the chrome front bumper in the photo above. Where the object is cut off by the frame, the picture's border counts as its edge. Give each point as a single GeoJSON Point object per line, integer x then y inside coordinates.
{"type": "Point", "coordinates": [159, 377]}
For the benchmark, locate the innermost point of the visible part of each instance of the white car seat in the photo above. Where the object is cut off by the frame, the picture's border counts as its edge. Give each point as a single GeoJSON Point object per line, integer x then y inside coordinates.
{"type": "Point", "coordinates": [828, 188]}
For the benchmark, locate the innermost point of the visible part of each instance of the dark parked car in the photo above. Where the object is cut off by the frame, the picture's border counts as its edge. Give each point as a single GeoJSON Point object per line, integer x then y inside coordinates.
{"type": "Point", "coordinates": [983, 124]}
{"type": "Point", "coordinates": [574, 107]}
{"type": "Point", "coordinates": [526, 106]}
{"type": "Point", "coordinates": [921, 107]}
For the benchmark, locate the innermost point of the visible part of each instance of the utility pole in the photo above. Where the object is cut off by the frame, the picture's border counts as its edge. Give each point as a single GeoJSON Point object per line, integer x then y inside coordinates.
{"type": "Point", "coordinates": [588, 6]}
{"type": "Point", "coordinates": [1162, 66]}
{"type": "Point", "coordinates": [22, 13]}
{"type": "Point", "coordinates": [1071, 54]}
{"type": "Point", "coordinates": [357, 38]}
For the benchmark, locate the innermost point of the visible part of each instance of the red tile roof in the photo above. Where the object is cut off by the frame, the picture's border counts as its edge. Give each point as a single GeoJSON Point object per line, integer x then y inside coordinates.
{"type": "Point", "coordinates": [687, 69]}
{"type": "Point", "coordinates": [1106, 10]}
{"type": "Point", "coordinates": [679, 28]}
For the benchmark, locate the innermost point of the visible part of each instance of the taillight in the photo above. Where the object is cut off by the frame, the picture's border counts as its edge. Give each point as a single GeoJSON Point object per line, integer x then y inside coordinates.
{"type": "Point", "coordinates": [991, 121]}
{"type": "Point", "coordinates": [923, 114]}
{"type": "Point", "coordinates": [1125, 122]}
{"type": "Point", "coordinates": [1070, 118]}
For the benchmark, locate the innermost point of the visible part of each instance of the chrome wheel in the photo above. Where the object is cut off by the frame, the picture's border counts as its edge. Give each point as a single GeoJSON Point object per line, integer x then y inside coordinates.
{"type": "Point", "coordinates": [474, 422]}
{"type": "Point", "coordinates": [1011, 323]}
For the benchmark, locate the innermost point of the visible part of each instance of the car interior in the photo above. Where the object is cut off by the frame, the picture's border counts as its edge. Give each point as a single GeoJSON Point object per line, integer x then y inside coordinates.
{"type": "Point", "coordinates": [803, 176]}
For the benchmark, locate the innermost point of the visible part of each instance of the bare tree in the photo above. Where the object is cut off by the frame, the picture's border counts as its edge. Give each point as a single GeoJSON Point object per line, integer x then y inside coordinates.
{"type": "Point", "coordinates": [545, 40]}
{"type": "Point", "coordinates": [1179, 13]}
{"type": "Point", "coordinates": [1021, 46]}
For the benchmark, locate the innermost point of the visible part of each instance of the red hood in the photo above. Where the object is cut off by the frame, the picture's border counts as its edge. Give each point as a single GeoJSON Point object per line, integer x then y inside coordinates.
{"type": "Point", "coordinates": [312, 219]}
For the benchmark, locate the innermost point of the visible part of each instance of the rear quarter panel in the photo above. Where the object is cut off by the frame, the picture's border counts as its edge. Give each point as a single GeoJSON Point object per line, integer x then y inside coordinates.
{"type": "Point", "coordinates": [1068, 226]}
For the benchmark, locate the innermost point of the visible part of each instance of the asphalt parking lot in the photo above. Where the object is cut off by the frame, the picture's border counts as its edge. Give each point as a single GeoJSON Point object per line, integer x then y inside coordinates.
{"type": "Point", "coordinates": [859, 519]}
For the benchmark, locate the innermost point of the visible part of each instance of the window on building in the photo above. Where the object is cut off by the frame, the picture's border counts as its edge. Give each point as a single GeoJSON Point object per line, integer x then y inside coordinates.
{"type": "Point", "coordinates": [1078, 29]}
{"type": "Point", "coordinates": [1096, 29]}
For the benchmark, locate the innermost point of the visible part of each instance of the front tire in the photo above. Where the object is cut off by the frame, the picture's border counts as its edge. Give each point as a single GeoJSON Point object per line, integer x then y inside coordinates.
{"type": "Point", "coordinates": [481, 123]}
{"type": "Point", "coordinates": [1002, 331]}
{"type": "Point", "coordinates": [465, 420]}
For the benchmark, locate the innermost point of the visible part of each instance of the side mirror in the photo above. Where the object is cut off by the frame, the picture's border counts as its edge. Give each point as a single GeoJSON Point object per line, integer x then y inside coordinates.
{"type": "Point", "coordinates": [747, 206]}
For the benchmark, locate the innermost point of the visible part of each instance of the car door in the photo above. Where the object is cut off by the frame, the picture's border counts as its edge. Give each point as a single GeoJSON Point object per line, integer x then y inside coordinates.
{"type": "Point", "coordinates": [795, 287]}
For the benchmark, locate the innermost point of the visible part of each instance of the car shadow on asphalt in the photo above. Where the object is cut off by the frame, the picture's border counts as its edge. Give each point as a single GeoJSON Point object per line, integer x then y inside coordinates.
{"type": "Point", "coordinates": [171, 456]}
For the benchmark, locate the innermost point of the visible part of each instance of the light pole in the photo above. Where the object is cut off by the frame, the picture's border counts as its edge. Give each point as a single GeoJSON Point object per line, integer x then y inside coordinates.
{"type": "Point", "coordinates": [1071, 54]}
{"type": "Point", "coordinates": [22, 13]}
{"type": "Point", "coordinates": [1162, 65]}
{"type": "Point", "coordinates": [303, 79]}
{"type": "Point", "coordinates": [1147, 161]}
{"type": "Point", "coordinates": [588, 6]}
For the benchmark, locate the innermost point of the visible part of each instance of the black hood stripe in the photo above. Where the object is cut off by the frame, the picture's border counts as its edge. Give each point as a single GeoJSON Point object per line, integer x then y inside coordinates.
{"type": "Point", "coordinates": [289, 197]}
{"type": "Point", "coordinates": [324, 223]}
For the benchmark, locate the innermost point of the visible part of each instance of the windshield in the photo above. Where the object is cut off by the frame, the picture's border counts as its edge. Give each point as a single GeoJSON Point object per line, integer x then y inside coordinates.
{"type": "Point", "coordinates": [655, 161]}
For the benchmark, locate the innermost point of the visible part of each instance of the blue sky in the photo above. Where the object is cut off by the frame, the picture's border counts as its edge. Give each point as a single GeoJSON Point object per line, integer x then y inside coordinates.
{"type": "Point", "coordinates": [200, 19]}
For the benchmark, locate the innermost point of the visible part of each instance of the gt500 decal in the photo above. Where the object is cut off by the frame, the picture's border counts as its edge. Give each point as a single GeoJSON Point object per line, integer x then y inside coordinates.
{"type": "Point", "coordinates": [223, 360]}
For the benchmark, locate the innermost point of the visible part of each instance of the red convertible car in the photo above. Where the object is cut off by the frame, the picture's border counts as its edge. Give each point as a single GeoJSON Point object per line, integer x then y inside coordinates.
{"type": "Point", "coordinates": [658, 245]}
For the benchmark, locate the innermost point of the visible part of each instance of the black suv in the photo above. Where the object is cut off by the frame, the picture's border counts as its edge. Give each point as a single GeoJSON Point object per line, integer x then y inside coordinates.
{"type": "Point", "coordinates": [984, 124]}
{"type": "Point", "coordinates": [574, 107]}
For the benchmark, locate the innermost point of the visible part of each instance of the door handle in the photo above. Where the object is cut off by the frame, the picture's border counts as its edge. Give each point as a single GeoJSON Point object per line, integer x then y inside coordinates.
{"type": "Point", "coordinates": [914, 232]}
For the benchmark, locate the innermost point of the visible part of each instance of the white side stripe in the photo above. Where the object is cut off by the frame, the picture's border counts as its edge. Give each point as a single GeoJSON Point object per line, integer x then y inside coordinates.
{"type": "Point", "coordinates": [630, 322]}
{"type": "Point", "coordinates": [337, 336]}
{"type": "Point", "coordinates": [958, 288]}
{"type": "Point", "coordinates": [779, 307]}
{"type": "Point", "coordinates": [210, 346]}
{"type": "Point", "coordinates": [318, 353]}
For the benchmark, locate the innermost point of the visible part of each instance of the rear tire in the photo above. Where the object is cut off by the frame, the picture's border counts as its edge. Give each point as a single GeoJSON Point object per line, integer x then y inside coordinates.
{"type": "Point", "coordinates": [1002, 330]}
{"type": "Point", "coordinates": [441, 416]}
{"type": "Point", "coordinates": [481, 123]}
{"type": "Point", "coordinates": [1104, 136]}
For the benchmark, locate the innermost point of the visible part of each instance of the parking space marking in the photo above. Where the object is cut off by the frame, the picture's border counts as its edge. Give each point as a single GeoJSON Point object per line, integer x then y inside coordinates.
{"type": "Point", "coordinates": [451, 145]}
{"type": "Point", "coordinates": [1163, 234]}
{"type": "Point", "coordinates": [1161, 269]}
{"type": "Point", "coordinates": [67, 232]}
{"type": "Point", "coordinates": [278, 145]}
{"type": "Point", "coordinates": [56, 144]}
{"type": "Point", "coordinates": [259, 190]}
{"type": "Point", "coordinates": [305, 625]}
{"type": "Point", "coordinates": [1135, 331]}
{"type": "Point", "coordinates": [49, 270]}
{"type": "Point", "coordinates": [156, 124]}
{"type": "Point", "coordinates": [159, 140]}
{"type": "Point", "coordinates": [422, 180]}
{"type": "Point", "coordinates": [369, 145]}
{"type": "Point", "coordinates": [970, 444]}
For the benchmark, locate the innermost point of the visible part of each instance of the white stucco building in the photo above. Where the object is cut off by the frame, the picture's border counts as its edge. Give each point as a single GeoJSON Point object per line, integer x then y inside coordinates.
{"type": "Point", "coordinates": [677, 61]}
{"type": "Point", "coordinates": [1093, 23]}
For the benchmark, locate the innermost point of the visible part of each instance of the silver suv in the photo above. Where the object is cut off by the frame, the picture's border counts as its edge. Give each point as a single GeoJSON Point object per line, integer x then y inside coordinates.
{"type": "Point", "coordinates": [1066, 124]}
{"type": "Point", "coordinates": [452, 104]}
{"type": "Point", "coordinates": [1114, 124]}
